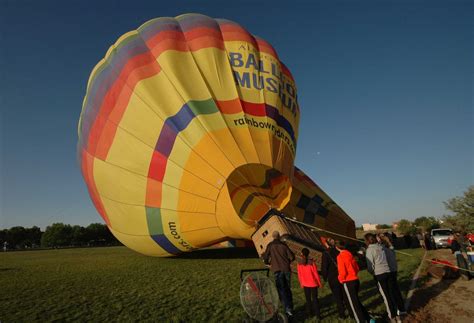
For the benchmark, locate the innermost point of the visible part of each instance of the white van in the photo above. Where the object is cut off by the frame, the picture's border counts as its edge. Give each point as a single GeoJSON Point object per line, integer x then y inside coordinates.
{"type": "Point", "coordinates": [439, 237]}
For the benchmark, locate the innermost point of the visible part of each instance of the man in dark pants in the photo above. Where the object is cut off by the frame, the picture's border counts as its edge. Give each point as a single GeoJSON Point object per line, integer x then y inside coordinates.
{"type": "Point", "coordinates": [329, 272]}
{"type": "Point", "coordinates": [378, 266]}
{"type": "Point", "coordinates": [279, 256]}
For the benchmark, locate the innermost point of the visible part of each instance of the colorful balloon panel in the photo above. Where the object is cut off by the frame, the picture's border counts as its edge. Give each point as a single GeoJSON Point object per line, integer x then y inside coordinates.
{"type": "Point", "coordinates": [310, 204]}
{"type": "Point", "coordinates": [188, 133]}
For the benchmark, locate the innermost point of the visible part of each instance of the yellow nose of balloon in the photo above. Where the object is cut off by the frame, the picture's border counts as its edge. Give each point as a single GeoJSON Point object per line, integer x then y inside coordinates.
{"type": "Point", "coordinates": [187, 134]}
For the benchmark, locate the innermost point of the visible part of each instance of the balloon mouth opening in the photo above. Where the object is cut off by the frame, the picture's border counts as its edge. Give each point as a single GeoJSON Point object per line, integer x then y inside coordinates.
{"type": "Point", "coordinates": [254, 189]}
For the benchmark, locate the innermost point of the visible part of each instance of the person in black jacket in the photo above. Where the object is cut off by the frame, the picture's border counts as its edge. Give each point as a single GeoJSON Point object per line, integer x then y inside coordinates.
{"type": "Point", "coordinates": [330, 274]}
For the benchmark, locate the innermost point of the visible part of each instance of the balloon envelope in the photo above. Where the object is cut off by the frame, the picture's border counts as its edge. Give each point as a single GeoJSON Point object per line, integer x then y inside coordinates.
{"type": "Point", "coordinates": [187, 135]}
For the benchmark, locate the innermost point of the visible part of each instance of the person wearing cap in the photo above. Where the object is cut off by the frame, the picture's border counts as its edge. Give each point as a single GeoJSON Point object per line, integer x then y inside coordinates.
{"type": "Point", "coordinates": [279, 256]}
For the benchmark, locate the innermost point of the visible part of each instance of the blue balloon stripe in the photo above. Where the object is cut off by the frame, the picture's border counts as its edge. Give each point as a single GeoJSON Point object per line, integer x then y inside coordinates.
{"type": "Point", "coordinates": [164, 243]}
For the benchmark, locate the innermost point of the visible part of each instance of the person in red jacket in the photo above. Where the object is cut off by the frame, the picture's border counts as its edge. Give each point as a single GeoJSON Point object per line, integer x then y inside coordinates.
{"type": "Point", "coordinates": [348, 269]}
{"type": "Point", "coordinates": [309, 280]}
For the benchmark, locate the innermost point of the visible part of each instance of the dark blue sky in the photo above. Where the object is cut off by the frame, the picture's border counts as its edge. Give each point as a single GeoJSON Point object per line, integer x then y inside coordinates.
{"type": "Point", "coordinates": [385, 89]}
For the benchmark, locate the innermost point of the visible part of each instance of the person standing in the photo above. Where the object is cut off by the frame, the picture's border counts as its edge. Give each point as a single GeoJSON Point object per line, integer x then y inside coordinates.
{"type": "Point", "coordinates": [392, 281]}
{"type": "Point", "coordinates": [279, 256]}
{"type": "Point", "coordinates": [407, 239]}
{"type": "Point", "coordinates": [421, 239]}
{"type": "Point", "coordinates": [458, 246]}
{"type": "Point", "coordinates": [347, 274]}
{"type": "Point", "coordinates": [330, 275]}
{"type": "Point", "coordinates": [377, 265]}
{"type": "Point", "coordinates": [427, 239]}
{"type": "Point", "coordinates": [309, 280]}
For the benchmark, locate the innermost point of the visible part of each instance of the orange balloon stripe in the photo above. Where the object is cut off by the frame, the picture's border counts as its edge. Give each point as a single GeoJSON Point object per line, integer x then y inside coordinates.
{"type": "Point", "coordinates": [205, 42]}
{"type": "Point", "coordinates": [266, 47]}
{"type": "Point", "coordinates": [107, 134]}
{"type": "Point", "coordinates": [87, 166]}
{"type": "Point", "coordinates": [287, 72]}
{"type": "Point", "coordinates": [137, 68]}
{"type": "Point", "coordinates": [167, 40]}
{"type": "Point", "coordinates": [239, 36]}
{"type": "Point", "coordinates": [153, 193]}
{"type": "Point", "coordinates": [230, 106]}
{"type": "Point", "coordinates": [203, 32]}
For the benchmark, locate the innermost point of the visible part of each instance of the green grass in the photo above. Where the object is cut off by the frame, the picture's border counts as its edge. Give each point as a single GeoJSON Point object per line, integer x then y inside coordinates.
{"type": "Point", "coordinates": [103, 284]}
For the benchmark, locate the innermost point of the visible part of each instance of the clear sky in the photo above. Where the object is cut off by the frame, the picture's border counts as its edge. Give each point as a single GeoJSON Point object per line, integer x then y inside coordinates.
{"type": "Point", "coordinates": [385, 89]}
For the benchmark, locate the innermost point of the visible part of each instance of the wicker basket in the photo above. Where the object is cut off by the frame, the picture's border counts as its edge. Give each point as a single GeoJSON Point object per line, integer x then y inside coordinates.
{"type": "Point", "coordinates": [297, 236]}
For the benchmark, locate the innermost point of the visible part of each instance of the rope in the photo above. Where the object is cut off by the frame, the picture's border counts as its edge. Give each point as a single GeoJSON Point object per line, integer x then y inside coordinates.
{"type": "Point", "coordinates": [361, 241]}
{"type": "Point", "coordinates": [449, 265]}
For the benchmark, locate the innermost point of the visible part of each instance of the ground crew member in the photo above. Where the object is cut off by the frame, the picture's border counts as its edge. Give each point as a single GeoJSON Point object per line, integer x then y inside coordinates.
{"type": "Point", "coordinates": [330, 274]}
{"type": "Point", "coordinates": [279, 256]}
{"type": "Point", "coordinates": [348, 269]}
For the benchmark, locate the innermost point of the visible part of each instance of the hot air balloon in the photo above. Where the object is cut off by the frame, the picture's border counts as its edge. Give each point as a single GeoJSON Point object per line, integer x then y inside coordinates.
{"type": "Point", "coordinates": [187, 138]}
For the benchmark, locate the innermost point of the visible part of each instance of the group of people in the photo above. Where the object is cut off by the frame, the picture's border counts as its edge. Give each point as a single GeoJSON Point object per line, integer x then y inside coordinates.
{"type": "Point", "coordinates": [340, 270]}
{"type": "Point", "coordinates": [424, 239]}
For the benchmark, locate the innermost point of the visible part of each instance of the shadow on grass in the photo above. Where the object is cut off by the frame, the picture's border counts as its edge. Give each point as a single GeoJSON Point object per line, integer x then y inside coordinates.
{"type": "Point", "coordinates": [9, 269]}
{"type": "Point", "coordinates": [224, 253]}
{"type": "Point", "coordinates": [369, 296]}
{"type": "Point", "coordinates": [330, 315]}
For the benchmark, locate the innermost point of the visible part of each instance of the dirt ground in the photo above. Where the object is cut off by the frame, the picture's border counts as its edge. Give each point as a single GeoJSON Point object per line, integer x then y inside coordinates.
{"type": "Point", "coordinates": [442, 300]}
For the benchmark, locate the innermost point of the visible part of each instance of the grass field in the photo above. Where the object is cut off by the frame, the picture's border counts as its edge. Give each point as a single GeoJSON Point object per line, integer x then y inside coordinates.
{"type": "Point", "coordinates": [116, 284]}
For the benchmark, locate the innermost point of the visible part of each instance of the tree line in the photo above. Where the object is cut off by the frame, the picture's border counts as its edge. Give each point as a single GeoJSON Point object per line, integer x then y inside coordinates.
{"type": "Point", "coordinates": [460, 219]}
{"type": "Point", "coordinates": [57, 235]}
{"type": "Point", "coordinates": [419, 225]}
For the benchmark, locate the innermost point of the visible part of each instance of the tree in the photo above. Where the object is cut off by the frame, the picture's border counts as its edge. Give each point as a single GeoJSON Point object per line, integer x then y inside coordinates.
{"type": "Point", "coordinates": [57, 235]}
{"type": "Point", "coordinates": [3, 236]}
{"type": "Point", "coordinates": [79, 236]}
{"type": "Point", "coordinates": [99, 234]}
{"type": "Point", "coordinates": [33, 237]}
{"type": "Point", "coordinates": [426, 223]}
{"type": "Point", "coordinates": [405, 227]}
{"type": "Point", "coordinates": [462, 208]}
{"type": "Point", "coordinates": [383, 226]}
{"type": "Point", "coordinates": [17, 237]}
